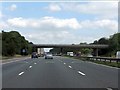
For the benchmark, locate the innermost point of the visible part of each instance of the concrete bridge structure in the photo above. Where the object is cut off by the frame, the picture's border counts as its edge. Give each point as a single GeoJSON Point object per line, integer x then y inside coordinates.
{"type": "Point", "coordinates": [93, 46]}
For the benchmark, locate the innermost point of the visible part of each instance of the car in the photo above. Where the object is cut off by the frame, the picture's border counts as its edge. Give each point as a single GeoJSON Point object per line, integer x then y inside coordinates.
{"type": "Point", "coordinates": [34, 55]}
{"type": "Point", "coordinates": [48, 56]}
{"type": "Point", "coordinates": [89, 55]}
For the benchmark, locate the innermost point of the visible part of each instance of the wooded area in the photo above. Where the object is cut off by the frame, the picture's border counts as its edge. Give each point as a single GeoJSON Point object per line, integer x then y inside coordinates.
{"type": "Point", "coordinates": [13, 43]}
{"type": "Point", "coordinates": [113, 41]}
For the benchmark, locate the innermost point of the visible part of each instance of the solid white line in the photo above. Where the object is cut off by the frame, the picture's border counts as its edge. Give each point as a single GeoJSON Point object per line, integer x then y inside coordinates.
{"type": "Point", "coordinates": [11, 61]}
{"type": "Point", "coordinates": [81, 73]}
{"type": "Point", "coordinates": [109, 89]}
{"type": "Point", "coordinates": [70, 67]}
{"type": "Point", "coordinates": [20, 73]}
{"type": "Point", "coordinates": [30, 66]}
{"type": "Point", "coordinates": [64, 63]}
{"type": "Point", "coordinates": [14, 61]}
{"type": "Point", "coordinates": [103, 65]}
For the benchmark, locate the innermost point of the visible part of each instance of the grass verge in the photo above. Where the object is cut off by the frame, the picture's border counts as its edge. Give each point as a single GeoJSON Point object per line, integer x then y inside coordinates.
{"type": "Point", "coordinates": [10, 57]}
{"type": "Point", "coordinates": [113, 64]}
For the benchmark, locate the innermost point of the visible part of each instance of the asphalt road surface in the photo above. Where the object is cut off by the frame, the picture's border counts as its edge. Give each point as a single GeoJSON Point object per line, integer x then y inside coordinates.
{"type": "Point", "coordinates": [59, 72]}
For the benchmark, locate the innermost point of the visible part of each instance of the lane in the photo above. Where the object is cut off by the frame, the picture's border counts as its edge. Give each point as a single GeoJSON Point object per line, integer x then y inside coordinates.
{"type": "Point", "coordinates": [105, 75]}
{"type": "Point", "coordinates": [10, 70]}
{"type": "Point", "coordinates": [46, 74]}
{"type": "Point", "coordinates": [59, 73]}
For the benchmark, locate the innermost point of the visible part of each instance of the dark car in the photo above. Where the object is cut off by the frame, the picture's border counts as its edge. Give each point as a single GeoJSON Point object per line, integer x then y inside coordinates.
{"type": "Point", "coordinates": [34, 55]}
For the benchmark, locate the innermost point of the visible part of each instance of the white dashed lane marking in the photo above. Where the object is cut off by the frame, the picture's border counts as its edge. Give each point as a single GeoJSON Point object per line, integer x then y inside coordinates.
{"type": "Point", "coordinates": [64, 63]}
{"type": "Point", "coordinates": [70, 66]}
{"type": "Point", "coordinates": [30, 66]}
{"type": "Point", "coordinates": [20, 73]}
{"type": "Point", "coordinates": [109, 89]}
{"type": "Point", "coordinates": [81, 73]}
{"type": "Point", "coordinates": [35, 63]}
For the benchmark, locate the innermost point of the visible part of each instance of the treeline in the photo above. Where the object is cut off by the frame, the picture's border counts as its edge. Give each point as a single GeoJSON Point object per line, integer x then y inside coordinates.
{"type": "Point", "coordinates": [114, 44]}
{"type": "Point", "coordinates": [13, 43]}
{"type": "Point", "coordinates": [113, 41]}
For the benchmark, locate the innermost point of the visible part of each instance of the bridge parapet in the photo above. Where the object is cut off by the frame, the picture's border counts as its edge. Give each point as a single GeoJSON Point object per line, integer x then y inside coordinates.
{"type": "Point", "coordinates": [71, 45]}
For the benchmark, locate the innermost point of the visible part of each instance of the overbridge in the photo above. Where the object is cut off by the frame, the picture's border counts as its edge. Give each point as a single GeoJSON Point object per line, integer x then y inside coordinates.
{"type": "Point", "coordinates": [93, 46]}
{"type": "Point", "coordinates": [70, 45]}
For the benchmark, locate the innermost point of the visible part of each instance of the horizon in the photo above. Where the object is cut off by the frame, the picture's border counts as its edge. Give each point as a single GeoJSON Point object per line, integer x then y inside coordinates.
{"type": "Point", "coordinates": [60, 22]}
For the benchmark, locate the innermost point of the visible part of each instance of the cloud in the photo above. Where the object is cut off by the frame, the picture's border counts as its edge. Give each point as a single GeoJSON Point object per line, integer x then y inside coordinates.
{"type": "Point", "coordinates": [53, 24]}
{"type": "Point", "coordinates": [48, 37]}
{"type": "Point", "coordinates": [3, 25]}
{"type": "Point", "coordinates": [104, 24]}
{"type": "Point", "coordinates": [45, 23]}
{"type": "Point", "coordinates": [53, 8]}
{"type": "Point", "coordinates": [17, 22]}
{"type": "Point", "coordinates": [102, 9]}
{"type": "Point", "coordinates": [56, 30]}
{"type": "Point", "coordinates": [13, 7]}
{"type": "Point", "coordinates": [1, 15]}
{"type": "Point", "coordinates": [60, 37]}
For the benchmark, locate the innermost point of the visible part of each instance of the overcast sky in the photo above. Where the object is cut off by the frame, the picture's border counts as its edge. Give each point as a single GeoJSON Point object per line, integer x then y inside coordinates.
{"type": "Point", "coordinates": [60, 22]}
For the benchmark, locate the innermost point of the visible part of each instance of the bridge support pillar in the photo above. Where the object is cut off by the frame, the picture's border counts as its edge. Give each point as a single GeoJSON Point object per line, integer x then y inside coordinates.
{"type": "Point", "coordinates": [61, 51]}
{"type": "Point", "coordinates": [96, 51]}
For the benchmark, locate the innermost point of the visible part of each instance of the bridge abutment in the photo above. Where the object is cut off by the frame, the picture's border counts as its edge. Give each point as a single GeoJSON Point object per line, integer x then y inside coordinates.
{"type": "Point", "coordinates": [95, 52]}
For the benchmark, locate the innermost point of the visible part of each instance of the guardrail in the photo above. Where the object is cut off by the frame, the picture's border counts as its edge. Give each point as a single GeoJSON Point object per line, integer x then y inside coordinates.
{"type": "Point", "coordinates": [105, 59]}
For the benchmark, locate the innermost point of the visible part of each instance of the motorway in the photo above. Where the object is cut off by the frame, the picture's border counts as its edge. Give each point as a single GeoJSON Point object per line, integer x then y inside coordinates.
{"type": "Point", "coordinates": [59, 72]}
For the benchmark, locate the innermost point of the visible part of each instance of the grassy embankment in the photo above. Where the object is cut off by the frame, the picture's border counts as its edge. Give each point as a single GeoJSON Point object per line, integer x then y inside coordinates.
{"type": "Point", "coordinates": [113, 64]}
{"type": "Point", "coordinates": [10, 57]}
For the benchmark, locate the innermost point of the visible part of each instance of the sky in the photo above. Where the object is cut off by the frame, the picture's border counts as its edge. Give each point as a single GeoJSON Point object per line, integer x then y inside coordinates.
{"type": "Point", "coordinates": [60, 22]}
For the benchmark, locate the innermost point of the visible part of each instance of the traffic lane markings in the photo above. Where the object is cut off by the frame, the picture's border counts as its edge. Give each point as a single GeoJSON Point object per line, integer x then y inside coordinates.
{"type": "Point", "coordinates": [21, 73]}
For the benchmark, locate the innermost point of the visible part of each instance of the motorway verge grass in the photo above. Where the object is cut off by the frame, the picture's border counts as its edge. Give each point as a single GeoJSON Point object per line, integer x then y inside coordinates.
{"type": "Point", "coordinates": [10, 57]}
{"type": "Point", "coordinates": [113, 64]}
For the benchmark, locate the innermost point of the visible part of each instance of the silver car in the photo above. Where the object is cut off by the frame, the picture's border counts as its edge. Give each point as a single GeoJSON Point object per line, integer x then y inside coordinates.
{"type": "Point", "coordinates": [48, 56]}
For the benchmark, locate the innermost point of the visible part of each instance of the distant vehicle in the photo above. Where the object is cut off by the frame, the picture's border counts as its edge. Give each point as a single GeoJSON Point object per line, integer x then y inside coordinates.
{"type": "Point", "coordinates": [118, 54]}
{"type": "Point", "coordinates": [58, 54]}
{"type": "Point", "coordinates": [48, 56]}
{"type": "Point", "coordinates": [89, 55]}
{"type": "Point", "coordinates": [70, 53]}
{"type": "Point", "coordinates": [40, 52]}
{"type": "Point", "coordinates": [34, 55]}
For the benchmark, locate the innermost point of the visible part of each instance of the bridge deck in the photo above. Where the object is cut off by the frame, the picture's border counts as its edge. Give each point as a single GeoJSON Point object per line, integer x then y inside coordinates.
{"type": "Point", "coordinates": [72, 46]}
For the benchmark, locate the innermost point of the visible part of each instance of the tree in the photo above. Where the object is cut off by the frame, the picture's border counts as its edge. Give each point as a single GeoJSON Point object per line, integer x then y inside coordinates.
{"type": "Point", "coordinates": [103, 41]}
{"type": "Point", "coordinates": [13, 43]}
{"type": "Point", "coordinates": [95, 42]}
{"type": "Point", "coordinates": [86, 51]}
{"type": "Point", "coordinates": [114, 43]}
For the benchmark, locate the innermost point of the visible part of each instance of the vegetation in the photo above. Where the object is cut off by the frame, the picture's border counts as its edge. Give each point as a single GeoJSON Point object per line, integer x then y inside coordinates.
{"type": "Point", "coordinates": [113, 41]}
{"type": "Point", "coordinates": [108, 63]}
{"type": "Point", "coordinates": [13, 43]}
